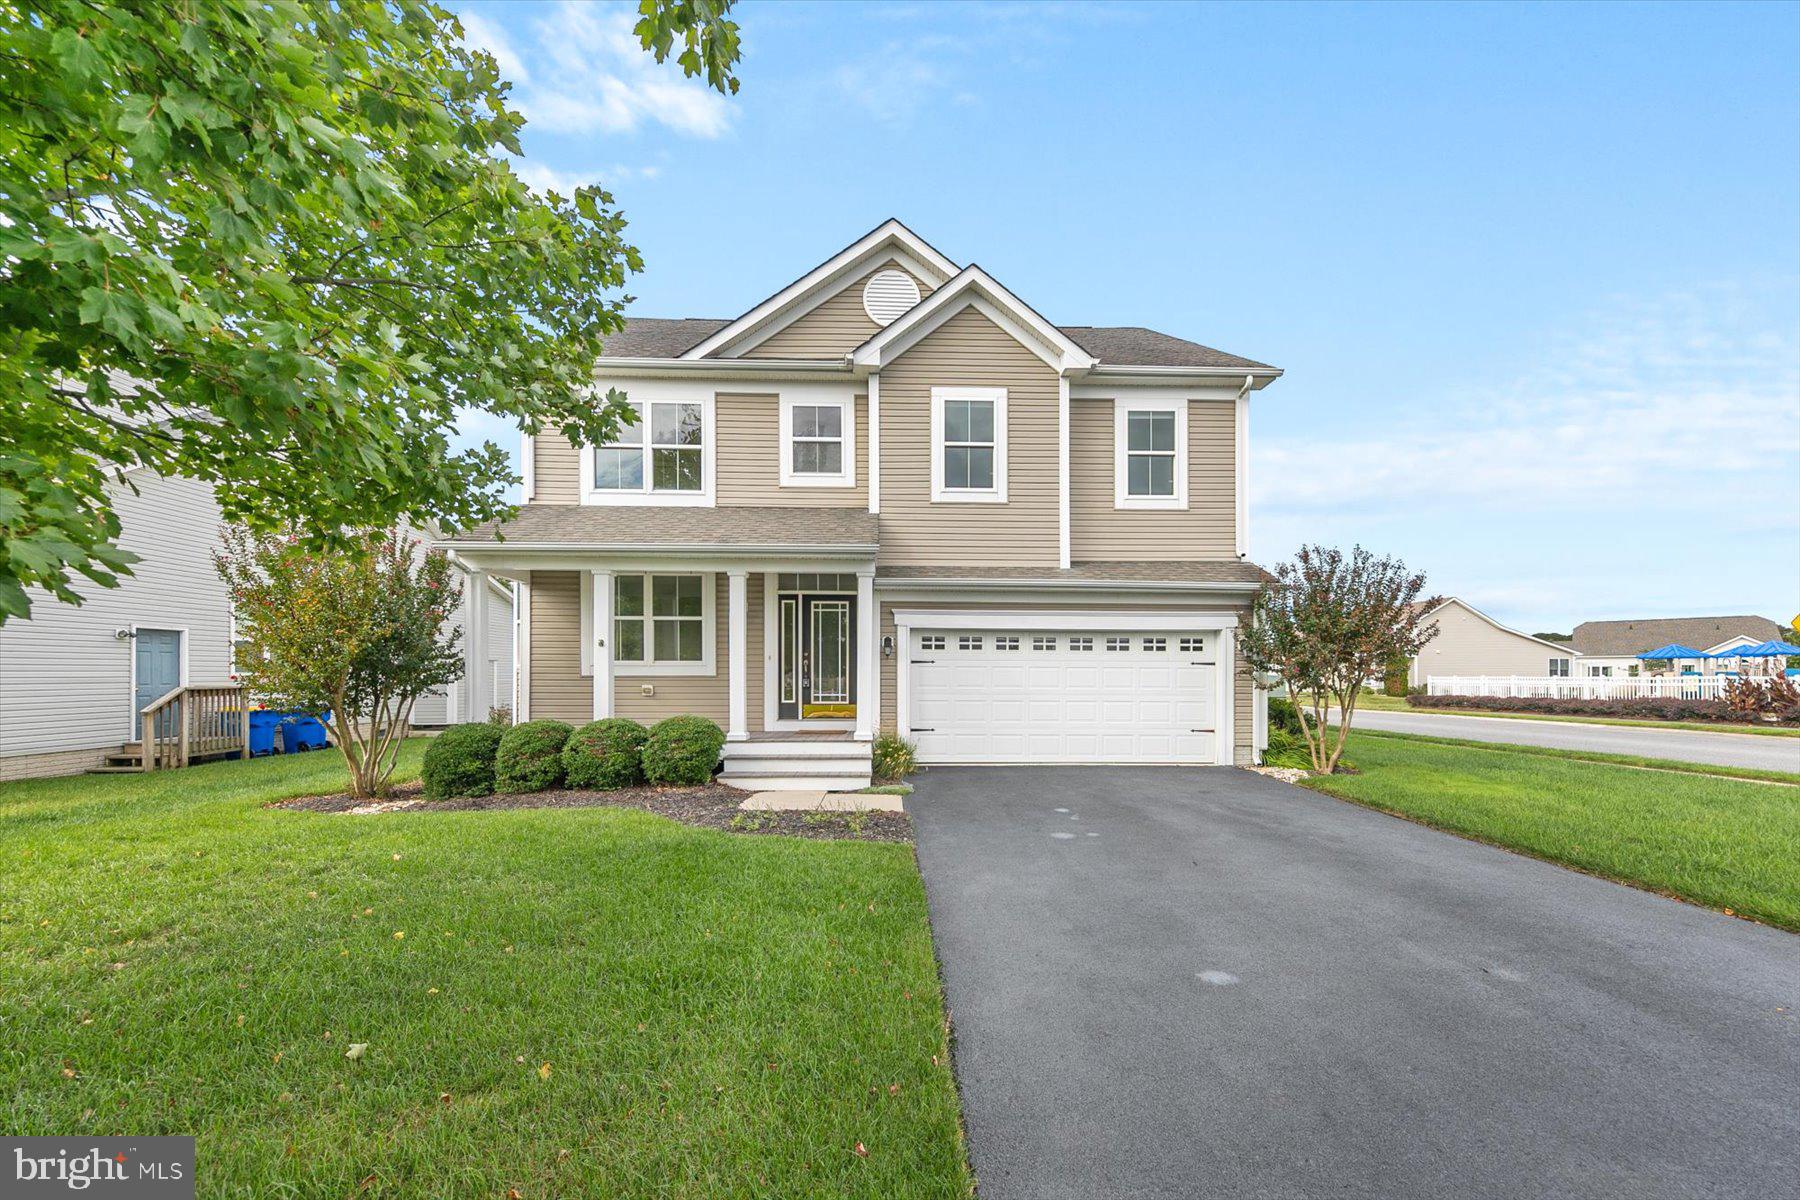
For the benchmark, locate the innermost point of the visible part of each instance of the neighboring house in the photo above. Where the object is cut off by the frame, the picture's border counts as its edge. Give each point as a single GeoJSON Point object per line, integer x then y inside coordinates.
{"type": "Point", "coordinates": [74, 677]}
{"type": "Point", "coordinates": [1469, 642]}
{"type": "Point", "coordinates": [1612, 647]}
{"type": "Point", "coordinates": [892, 496]}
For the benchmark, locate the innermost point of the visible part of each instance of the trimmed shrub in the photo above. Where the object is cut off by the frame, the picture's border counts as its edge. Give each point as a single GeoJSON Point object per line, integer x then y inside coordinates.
{"type": "Point", "coordinates": [530, 757]}
{"type": "Point", "coordinates": [460, 762]}
{"type": "Point", "coordinates": [1283, 716]}
{"type": "Point", "coordinates": [893, 757]}
{"type": "Point", "coordinates": [1642, 708]}
{"type": "Point", "coordinates": [605, 754]}
{"type": "Point", "coordinates": [682, 750]}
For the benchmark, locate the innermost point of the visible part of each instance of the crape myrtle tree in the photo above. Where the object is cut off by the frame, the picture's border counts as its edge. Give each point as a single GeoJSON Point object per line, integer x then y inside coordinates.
{"type": "Point", "coordinates": [363, 631]}
{"type": "Point", "coordinates": [276, 246]}
{"type": "Point", "coordinates": [1325, 624]}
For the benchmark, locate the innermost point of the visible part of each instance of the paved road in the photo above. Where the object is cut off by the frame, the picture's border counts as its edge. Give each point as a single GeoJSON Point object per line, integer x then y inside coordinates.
{"type": "Point", "coordinates": [1205, 983]}
{"type": "Point", "coordinates": [1719, 749]}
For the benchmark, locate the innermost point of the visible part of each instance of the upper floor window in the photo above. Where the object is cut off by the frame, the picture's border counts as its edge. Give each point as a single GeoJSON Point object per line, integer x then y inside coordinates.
{"type": "Point", "coordinates": [1150, 454]}
{"type": "Point", "coordinates": [818, 437]}
{"type": "Point", "coordinates": [660, 457]}
{"type": "Point", "coordinates": [968, 444]}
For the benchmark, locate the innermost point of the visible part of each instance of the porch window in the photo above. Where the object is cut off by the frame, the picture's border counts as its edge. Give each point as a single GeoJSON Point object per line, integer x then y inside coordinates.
{"type": "Point", "coordinates": [659, 618]}
{"type": "Point", "coordinates": [674, 443]}
{"type": "Point", "coordinates": [968, 434]}
{"type": "Point", "coordinates": [1559, 668]}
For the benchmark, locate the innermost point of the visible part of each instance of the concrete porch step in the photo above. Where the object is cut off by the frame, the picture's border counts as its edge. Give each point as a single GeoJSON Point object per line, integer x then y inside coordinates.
{"type": "Point", "coordinates": [797, 783]}
{"type": "Point", "coordinates": [816, 749]}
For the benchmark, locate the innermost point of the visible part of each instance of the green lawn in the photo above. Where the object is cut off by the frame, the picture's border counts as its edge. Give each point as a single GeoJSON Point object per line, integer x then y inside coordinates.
{"type": "Point", "coordinates": [1719, 842]}
{"type": "Point", "coordinates": [567, 1003]}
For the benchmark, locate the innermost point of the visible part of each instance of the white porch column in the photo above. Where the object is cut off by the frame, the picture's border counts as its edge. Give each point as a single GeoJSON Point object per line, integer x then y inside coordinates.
{"type": "Point", "coordinates": [602, 583]}
{"type": "Point", "coordinates": [521, 651]}
{"type": "Point", "coordinates": [737, 650]}
{"type": "Point", "coordinates": [868, 656]}
{"type": "Point", "coordinates": [477, 679]}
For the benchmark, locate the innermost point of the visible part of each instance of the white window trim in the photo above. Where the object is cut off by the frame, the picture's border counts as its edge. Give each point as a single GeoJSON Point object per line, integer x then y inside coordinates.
{"type": "Point", "coordinates": [941, 494]}
{"type": "Point", "coordinates": [1122, 410]}
{"type": "Point", "coordinates": [846, 478]}
{"type": "Point", "coordinates": [645, 496]}
{"type": "Point", "coordinates": [709, 631]}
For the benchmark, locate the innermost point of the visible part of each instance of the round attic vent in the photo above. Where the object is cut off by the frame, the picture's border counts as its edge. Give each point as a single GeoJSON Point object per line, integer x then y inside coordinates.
{"type": "Point", "coordinates": [888, 294]}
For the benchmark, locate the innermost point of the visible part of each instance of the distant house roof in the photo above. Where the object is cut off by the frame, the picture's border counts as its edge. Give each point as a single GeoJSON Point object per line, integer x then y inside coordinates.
{"type": "Point", "coordinates": [591, 526]}
{"type": "Point", "coordinates": [1113, 345]}
{"type": "Point", "coordinates": [1626, 638]}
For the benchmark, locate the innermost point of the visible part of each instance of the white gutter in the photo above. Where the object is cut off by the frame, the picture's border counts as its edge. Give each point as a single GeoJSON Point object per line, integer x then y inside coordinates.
{"type": "Point", "coordinates": [833, 550]}
{"type": "Point", "coordinates": [722, 368]}
{"type": "Point", "coordinates": [917, 583]}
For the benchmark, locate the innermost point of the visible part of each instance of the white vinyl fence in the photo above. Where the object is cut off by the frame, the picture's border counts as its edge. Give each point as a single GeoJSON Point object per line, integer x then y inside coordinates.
{"type": "Point", "coordinates": [1582, 687]}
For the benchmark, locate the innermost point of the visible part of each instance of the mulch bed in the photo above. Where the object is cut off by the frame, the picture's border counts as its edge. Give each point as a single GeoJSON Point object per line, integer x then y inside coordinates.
{"type": "Point", "coordinates": [712, 807]}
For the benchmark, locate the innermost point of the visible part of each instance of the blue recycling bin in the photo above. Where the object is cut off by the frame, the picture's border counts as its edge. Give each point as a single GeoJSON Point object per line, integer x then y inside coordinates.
{"type": "Point", "coordinates": [262, 731]}
{"type": "Point", "coordinates": [301, 731]}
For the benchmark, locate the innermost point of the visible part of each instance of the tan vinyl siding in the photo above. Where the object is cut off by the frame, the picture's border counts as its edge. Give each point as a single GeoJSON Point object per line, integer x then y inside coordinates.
{"type": "Point", "coordinates": [833, 328]}
{"type": "Point", "coordinates": [889, 716]}
{"type": "Point", "coordinates": [679, 695]}
{"type": "Point", "coordinates": [1206, 529]}
{"type": "Point", "coordinates": [1243, 711]}
{"type": "Point", "coordinates": [749, 448]}
{"type": "Point", "coordinates": [559, 691]}
{"type": "Point", "coordinates": [1467, 645]}
{"type": "Point", "coordinates": [556, 464]}
{"type": "Point", "coordinates": [969, 350]}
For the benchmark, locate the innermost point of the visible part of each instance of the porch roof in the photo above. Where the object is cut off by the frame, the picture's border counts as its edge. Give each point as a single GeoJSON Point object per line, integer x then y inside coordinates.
{"type": "Point", "coordinates": [644, 527]}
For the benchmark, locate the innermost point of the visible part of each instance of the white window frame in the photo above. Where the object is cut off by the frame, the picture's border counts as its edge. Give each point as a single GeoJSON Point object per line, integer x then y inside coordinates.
{"type": "Point", "coordinates": [845, 478]}
{"type": "Point", "coordinates": [709, 630]}
{"type": "Point", "coordinates": [1559, 667]}
{"type": "Point", "coordinates": [941, 494]}
{"type": "Point", "coordinates": [646, 494]}
{"type": "Point", "coordinates": [1122, 410]}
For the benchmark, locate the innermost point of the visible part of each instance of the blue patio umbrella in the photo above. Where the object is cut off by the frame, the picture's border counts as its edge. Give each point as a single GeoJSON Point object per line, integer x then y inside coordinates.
{"type": "Point", "coordinates": [1673, 650]}
{"type": "Point", "coordinates": [1774, 648]}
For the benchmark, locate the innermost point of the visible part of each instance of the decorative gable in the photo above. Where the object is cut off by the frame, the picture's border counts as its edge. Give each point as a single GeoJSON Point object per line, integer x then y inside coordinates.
{"type": "Point", "coordinates": [844, 321]}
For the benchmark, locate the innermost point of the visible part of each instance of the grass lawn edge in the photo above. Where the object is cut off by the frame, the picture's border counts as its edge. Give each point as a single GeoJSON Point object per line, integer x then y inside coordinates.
{"type": "Point", "coordinates": [1395, 704]}
{"type": "Point", "coordinates": [1736, 774]}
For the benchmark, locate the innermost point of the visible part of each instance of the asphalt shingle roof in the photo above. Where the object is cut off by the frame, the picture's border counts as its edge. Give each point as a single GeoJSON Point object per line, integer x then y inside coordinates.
{"type": "Point", "coordinates": [1230, 571]}
{"type": "Point", "coordinates": [1635, 637]}
{"type": "Point", "coordinates": [1115, 345]}
{"type": "Point", "coordinates": [596, 525]}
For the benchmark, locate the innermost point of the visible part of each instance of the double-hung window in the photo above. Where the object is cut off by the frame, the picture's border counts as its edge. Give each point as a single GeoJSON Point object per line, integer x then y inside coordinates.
{"type": "Point", "coordinates": [817, 436]}
{"type": "Point", "coordinates": [660, 454]}
{"type": "Point", "coordinates": [968, 444]}
{"type": "Point", "coordinates": [1559, 668]}
{"type": "Point", "coordinates": [1150, 454]}
{"type": "Point", "coordinates": [659, 619]}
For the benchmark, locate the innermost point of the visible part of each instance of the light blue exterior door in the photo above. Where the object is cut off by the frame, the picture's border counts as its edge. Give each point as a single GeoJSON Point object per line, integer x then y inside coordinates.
{"type": "Point", "coordinates": [158, 670]}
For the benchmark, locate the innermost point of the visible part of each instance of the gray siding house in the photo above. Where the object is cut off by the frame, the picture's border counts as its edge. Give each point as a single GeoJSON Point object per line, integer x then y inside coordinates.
{"type": "Point", "coordinates": [73, 678]}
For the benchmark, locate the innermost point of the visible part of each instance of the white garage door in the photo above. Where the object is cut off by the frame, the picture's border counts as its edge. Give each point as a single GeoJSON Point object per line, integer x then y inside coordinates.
{"type": "Point", "coordinates": [995, 696]}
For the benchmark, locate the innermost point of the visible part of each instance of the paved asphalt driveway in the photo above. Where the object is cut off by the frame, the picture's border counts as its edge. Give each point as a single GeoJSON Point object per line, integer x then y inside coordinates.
{"type": "Point", "coordinates": [1202, 982]}
{"type": "Point", "coordinates": [1685, 745]}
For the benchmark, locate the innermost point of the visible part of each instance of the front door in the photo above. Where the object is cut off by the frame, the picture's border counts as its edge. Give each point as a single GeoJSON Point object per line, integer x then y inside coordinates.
{"type": "Point", "coordinates": [158, 671]}
{"type": "Point", "coordinates": [817, 667]}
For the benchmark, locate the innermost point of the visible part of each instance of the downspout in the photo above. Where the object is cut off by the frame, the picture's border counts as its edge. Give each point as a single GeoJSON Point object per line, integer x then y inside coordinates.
{"type": "Point", "coordinates": [1241, 453]}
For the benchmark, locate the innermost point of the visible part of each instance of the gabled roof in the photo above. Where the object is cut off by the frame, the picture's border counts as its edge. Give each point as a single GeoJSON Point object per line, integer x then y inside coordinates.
{"type": "Point", "coordinates": [1559, 647]}
{"type": "Point", "coordinates": [974, 286]}
{"type": "Point", "coordinates": [1625, 638]}
{"type": "Point", "coordinates": [601, 526]}
{"type": "Point", "coordinates": [1133, 345]}
{"type": "Point", "coordinates": [882, 241]}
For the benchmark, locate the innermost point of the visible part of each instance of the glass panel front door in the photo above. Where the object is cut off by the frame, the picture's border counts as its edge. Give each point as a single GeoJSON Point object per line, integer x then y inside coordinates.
{"type": "Point", "coordinates": [816, 666]}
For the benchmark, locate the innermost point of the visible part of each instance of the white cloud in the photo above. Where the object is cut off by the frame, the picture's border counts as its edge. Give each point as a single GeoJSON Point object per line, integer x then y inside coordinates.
{"type": "Point", "coordinates": [584, 71]}
{"type": "Point", "coordinates": [593, 76]}
{"type": "Point", "coordinates": [1689, 401]}
{"type": "Point", "coordinates": [545, 178]}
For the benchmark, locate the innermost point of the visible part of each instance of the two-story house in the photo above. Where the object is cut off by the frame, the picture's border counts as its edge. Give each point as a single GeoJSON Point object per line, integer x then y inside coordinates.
{"type": "Point", "coordinates": [892, 496]}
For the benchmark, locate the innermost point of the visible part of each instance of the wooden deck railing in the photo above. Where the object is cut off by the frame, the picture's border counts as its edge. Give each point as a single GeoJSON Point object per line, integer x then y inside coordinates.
{"type": "Point", "coordinates": [195, 721]}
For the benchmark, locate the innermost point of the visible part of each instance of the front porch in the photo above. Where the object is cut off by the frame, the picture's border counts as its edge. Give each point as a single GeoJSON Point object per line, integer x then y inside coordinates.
{"type": "Point", "coordinates": [765, 639]}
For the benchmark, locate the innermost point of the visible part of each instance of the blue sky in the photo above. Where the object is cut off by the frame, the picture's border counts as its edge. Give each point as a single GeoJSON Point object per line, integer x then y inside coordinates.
{"type": "Point", "coordinates": [1533, 271]}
